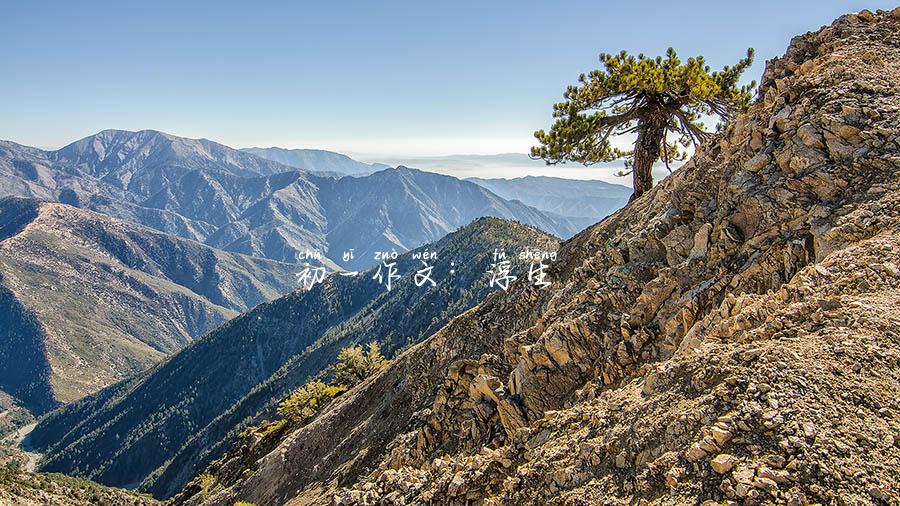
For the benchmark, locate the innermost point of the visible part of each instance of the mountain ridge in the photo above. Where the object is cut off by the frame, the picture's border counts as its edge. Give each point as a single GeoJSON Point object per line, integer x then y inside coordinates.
{"type": "Point", "coordinates": [92, 283]}
{"type": "Point", "coordinates": [323, 160]}
{"type": "Point", "coordinates": [584, 202]}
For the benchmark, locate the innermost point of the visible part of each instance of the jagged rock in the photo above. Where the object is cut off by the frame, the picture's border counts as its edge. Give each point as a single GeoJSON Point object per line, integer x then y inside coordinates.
{"type": "Point", "coordinates": [757, 163]}
{"type": "Point", "coordinates": [701, 241]}
{"type": "Point", "coordinates": [723, 463]}
{"type": "Point", "coordinates": [721, 436]}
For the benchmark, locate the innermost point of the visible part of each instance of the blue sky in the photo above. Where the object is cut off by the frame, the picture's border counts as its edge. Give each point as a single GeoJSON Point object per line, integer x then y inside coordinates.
{"type": "Point", "coordinates": [369, 78]}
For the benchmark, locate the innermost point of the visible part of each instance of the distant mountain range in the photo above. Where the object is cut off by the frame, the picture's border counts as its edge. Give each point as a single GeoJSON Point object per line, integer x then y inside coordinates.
{"type": "Point", "coordinates": [237, 201]}
{"type": "Point", "coordinates": [513, 165]}
{"type": "Point", "coordinates": [582, 202]}
{"type": "Point", "coordinates": [163, 426]}
{"type": "Point", "coordinates": [317, 160]}
{"type": "Point", "coordinates": [87, 300]}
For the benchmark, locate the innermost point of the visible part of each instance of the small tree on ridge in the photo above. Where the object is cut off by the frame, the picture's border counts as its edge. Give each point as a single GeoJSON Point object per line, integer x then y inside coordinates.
{"type": "Point", "coordinates": [654, 97]}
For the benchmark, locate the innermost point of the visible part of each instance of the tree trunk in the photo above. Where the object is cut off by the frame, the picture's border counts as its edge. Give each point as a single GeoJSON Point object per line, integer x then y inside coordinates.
{"type": "Point", "coordinates": [646, 151]}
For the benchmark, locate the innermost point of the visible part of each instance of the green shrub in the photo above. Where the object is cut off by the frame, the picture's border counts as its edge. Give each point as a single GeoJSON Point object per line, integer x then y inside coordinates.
{"type": "Point", "coordinates": [207, 484]}
{"type": "Point", "coordinates": [306, 401]}
{"type": "Point", "coordinates": [354, 365]}
{"type": "Point", "coordinates": [266, 429]}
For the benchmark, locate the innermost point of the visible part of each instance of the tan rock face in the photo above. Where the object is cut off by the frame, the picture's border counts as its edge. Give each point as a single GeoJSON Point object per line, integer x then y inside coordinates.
{"type": "Point", "coordinates": [692, 334]}
{"type": "Point", "coordinates": [723, 463]}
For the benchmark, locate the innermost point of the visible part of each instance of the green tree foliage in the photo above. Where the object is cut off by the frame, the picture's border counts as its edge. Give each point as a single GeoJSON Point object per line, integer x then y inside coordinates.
{"type": "Point", "coordinates": [303, 404]}
{"type": "Point", "coordinates": [654, 97]}
{"type": "Point", "coordinates": [207, 484]}
{"type": "Point", "coordinates": [356, 364]}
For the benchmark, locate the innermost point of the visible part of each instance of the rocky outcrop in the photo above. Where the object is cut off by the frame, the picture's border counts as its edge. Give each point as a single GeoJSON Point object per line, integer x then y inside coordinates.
{"type": "Point", "coordinates": [791, 398]}
{"type": "Point", "coordinates": [730, 336]}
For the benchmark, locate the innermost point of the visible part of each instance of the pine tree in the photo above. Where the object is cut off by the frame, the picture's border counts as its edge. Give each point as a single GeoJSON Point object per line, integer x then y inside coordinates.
{"type": "Point", "coordinates": [654, 97]}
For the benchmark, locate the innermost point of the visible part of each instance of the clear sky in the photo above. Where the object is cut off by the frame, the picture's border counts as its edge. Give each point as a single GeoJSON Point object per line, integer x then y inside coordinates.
{"type": "Point", "coordinates": [376, 78]}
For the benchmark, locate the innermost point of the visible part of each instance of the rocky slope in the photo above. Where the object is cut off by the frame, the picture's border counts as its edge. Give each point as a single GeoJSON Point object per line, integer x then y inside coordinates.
{"type": "Point", "coordinates": [239, 202]}
{"type": "Point", "coordinates": [730, 336]}
{"type": "Point", "coordinates": [162, 427]}
{"type": "Point", "coordinates": [88, 300]}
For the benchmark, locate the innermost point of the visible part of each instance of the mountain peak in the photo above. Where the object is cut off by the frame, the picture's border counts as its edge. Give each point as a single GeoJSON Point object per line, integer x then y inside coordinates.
{"type": "Point", "coordinates": [140, 161]}
{"type": "Point", "coordinates": [110, 133]}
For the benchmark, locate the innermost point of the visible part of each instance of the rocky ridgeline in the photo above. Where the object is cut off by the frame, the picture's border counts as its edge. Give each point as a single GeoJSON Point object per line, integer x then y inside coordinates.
{"type": "Point", "coordinates": [732, 337]}
{"type": "Point", "coordinates": [729, 337]}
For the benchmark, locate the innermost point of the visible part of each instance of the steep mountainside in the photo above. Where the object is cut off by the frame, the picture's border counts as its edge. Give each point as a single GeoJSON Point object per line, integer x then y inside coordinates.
{"type": "Point", "coordinates": [88, 300]}
{"type": "Point", "coordinates": [164, 426]}
{"type": "Point", "coordinates": [582, 202]}
{"type": "Point", "coordinates": [731, 335]}
{"type": "Point", "coordinates": [318, 160]}
{"type": "Point", "coordinates": [239, 202]}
